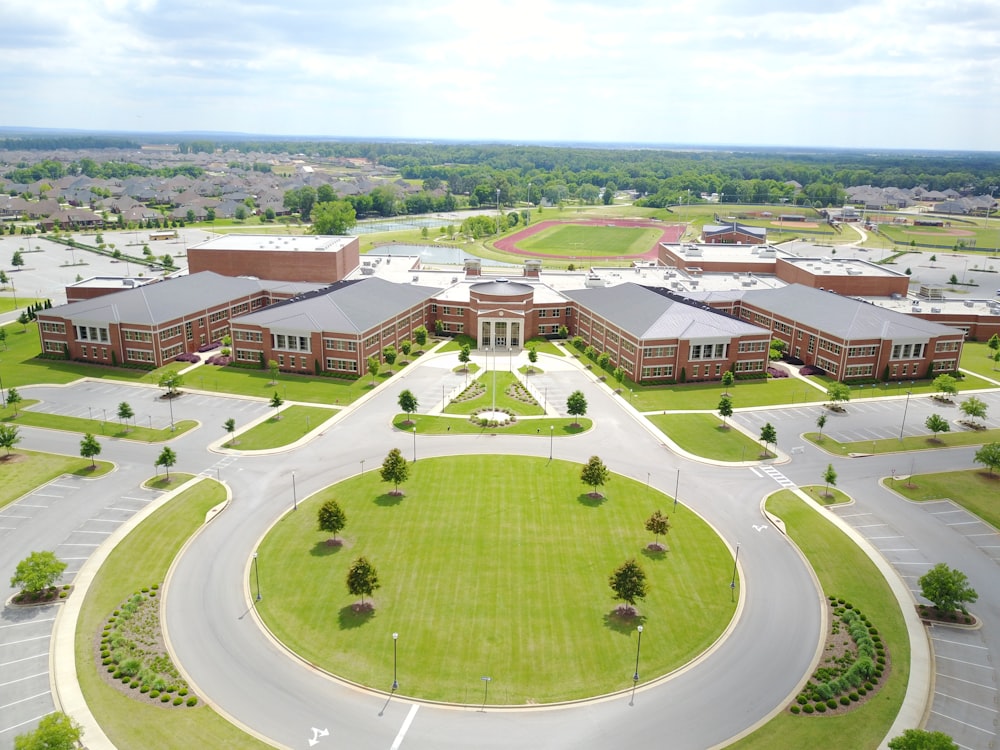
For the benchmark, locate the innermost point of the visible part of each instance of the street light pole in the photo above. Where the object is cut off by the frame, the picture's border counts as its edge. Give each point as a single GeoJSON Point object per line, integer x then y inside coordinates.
{"type": "Point", "coordinates": [552, 434]}
{"type": "Point", "coordinates": [395, 682]}
{"type": "Point", "coordinates": [256, 573]}
{"type": "Point", "coordinates": [905, 407]}
{"type": "Point", "coordinates": [732, 584]}
{"type": "Point", "coordinates": [486, 690]}
{"type": "Point", "coordinates": [295, 498]}
{"type": "Point", "coordinates": [414, 445]}
{"type": "Point", "coordinates": [677, 488]}
{"type": "Point", "coordinates": [635, 675]}
{"type": "Point", "coordinates": [170, 403]}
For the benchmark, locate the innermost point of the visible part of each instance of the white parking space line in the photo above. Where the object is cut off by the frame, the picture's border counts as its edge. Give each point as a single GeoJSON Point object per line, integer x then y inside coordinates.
{"type": "Point", "coordinates": [23, 723]}
{"type": "Point", "coordinates": [963, 723]}
{"type": "Point", "coordinates": [29, 505]}
{"type": "Point", "coordinates": [406, 726]}
{"type": "Point", "coordinates": [958, 643]}
{"type": "Point", "coordinates": [28, 622]}
{"type": "Point", "coordinates": [13, 516]}
{"type": "Point", "coordinates": [45, 494]}
{"type": "Point", "coordinates": [22, 679]}
{"type": "Point", "coordinates": [24, 640]}
{"type": "Point", "coordinates": [963, 661]}
{"type": "Point", "coordinates": [873, 538]}
{"type": "Point", "coordinates": [63, 486]}
{"type": "Point", "coordinates": [967, 682]}
{"type": "Point", "coordinates": [103, 520]}
{"type": "Point", "coordinates": [963, 523]}
{"type": "Point", "coordinates": [871, 526]}
{"type": "Point", "coordinates": [123, 510]}
{"type": "Point", "coordinates": [78, 544]}
{"type": "Point", "coordinates": [898, 549]}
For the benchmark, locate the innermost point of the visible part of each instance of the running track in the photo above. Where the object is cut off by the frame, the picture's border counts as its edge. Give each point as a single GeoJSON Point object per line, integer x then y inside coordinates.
{"type": "Point", "coordinates": [668, 233]}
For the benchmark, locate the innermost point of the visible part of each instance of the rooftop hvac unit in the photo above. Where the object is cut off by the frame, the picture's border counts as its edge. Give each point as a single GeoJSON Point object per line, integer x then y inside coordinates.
{"type": "Point", "coordinates": [969, 303]}
{"type": "Point", "coordinates": [935, 309]}
{"type": "Point", "coordinates": [916, 308]}
{"type": "Point", "coordinates": [746, 282]}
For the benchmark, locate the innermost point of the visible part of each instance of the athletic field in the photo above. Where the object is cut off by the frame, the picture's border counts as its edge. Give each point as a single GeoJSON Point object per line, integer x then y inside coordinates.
{"type": "Point", "coordinates": [592, 239]}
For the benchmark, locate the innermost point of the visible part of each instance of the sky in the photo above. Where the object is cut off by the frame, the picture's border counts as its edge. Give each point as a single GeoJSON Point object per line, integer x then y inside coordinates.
{"type": "Point", "coordinates": [878, 74]}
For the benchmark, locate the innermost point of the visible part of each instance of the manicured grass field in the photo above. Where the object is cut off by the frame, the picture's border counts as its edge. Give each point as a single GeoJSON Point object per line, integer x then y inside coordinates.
{"type": "Point", "coordinates": [824, 495]}
{"type": "Point", "coordinates": [900, 387]}
{"type": "Point", "coordinates": [295, 422]}
{"type": "Point", "coordinates": [843, 570]}
{"type": "Point", "coordinates": [769, 392]}
{"type": "Point", "coordinates": [703, 435]}
{"type": "Point", "coordinates": [22, 471]}
{"type": "Point", "coordinates": [501, 380]}
{"type": "Point", "coordinates": [96, 427]}
{"type": "Point", "coordinates": [7, 302]}
{"type": "Point", "coordinates": [499, 566]}
{"type": "Point", "coordinates": [975, 490]}
{"type": "Point", "coordinates": [976, 357]}
{"type": "Point", "coordinates": [544, 346]}
{"type": "Point", "coordinates": [911, 443]}
{"type": "Point", "coordinates": [432, 425]}
{"type": "Point", "coordinates": [942, 237]}
{"type": "Point", "coordinates": [581, 241]}
{"type": "Point", "coordinates": [140, 560]}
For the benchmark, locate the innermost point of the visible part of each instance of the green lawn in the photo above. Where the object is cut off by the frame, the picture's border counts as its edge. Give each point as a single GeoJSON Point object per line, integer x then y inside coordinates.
{"type": "Point", "coordinates": [295, 422]}
{"type": "Point", "coordinates": [22, 471]}
{"type": "Point", "coordinates": [703, 435]}
{"type": "Point", "coordinates": [940, 236]}
{"type": "Point", "coordinates": [502, 578]}
{"type": "Point", "coordinates": [976, 357]}
{"type": "Point", "coordinates": [900, 387]}
{"type": "Point", "coordinates": [974, 489]}
{"type": "Point", "coordinates": [843, 570]}
{"type": "Point", "coordinates": [706, 395]}
{"type": "Point", "coordinates": [7, 303]}
{"type": "Point", "coordinates": [544, 346]}
{"type": "Point", "coordinates": [433, 425]}
{"type": "Point", "coordinates": [824, 495]}
{"type": "Point", "coordinates": [581, 240]}
{"type": "Point", "coordinates": [97, 427]}
{"type": "Point", "coordinates": [140, 560]}
{"type": "Point", "coordinates": [503, 381]}
{"type": "Point", "coordinates": [911, 443]}
{"type": "Point", "coordinates": [455, 343]}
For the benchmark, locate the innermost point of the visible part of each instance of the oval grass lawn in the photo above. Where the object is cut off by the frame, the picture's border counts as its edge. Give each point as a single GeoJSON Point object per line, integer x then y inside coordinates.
{"type": "Point", "coordinates": [494, 566]}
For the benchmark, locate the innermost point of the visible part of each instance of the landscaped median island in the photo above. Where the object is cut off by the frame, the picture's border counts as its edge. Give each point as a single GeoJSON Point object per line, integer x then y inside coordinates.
{"type": "Point", "coordinates": [910, 443]}
{"type": "Point", "coordinates": [975, 490]}
{"type": "Point", "coordinates": [126, 581]}
{"type": "Point", "coordinates": [704, 435]}
{"type": "Point", "coordinates": [97, 427]}
{"type": "Point", "coordinates": [502, 578]}
{"type": "Point", "coordinates": [846, 573]}
{"type": "Point", "coordinates": [541, 426]}
{"type": "Point", "coordinates": [24, 471]}
{"type": "Point", "coordinates": [279, 430]}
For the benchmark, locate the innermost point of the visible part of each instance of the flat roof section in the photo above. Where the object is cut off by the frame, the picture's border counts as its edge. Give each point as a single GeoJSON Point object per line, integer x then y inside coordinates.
{"type": "Point", "coordinates": [827, 266]}
{"type": "Point", "coordinates": [277, 243]}
{"type": "Point", "coordinates": [692, 252]}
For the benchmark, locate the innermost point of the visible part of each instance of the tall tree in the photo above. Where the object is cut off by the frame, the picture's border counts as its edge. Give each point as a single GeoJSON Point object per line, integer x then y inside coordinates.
{"type": "Point", "coordinates": [945, 384]}
{"type": "Point", "coordinates": [90, 448]}
{"type": "Point", "coordinates": [389, 355]}
{"type": "Point", "coordinates": [989, 456]}
{"type": "Point", "coordinates": [337, 217]}
{"type": "Point", "coordinates": [946, 588]}
{"type": "Point", "coordinates": [125, 413]}
{"type": "Point", "coordinates": [276, 402]}
{"type": "Point", "coordinates": [373, 367]}
{"type": "Point", "coordinates": [166, 459]}
{"type": "Point", "coordinates": [272, 367]}
{"type": "Point", "coordinates": [3, 337]}
{"type": "Point", "coordinates": [37, 572]}
{"type": "Point", "coordinates": [768, 435]}
{"type": "Point", "coordinates": [628, 582]}
{"type": "Point", "coordinates": [821, 423]}
{"type": "Point", "coordinates": [362, 579]}
{"type": "Point", "coordinates": [830, 477]}
{"type": "Point", "coordinates": [408, 403]}
{"type": "Point", "coordinates": [994, 343]}
{"type": "Point", "coordinates": [331, 517]}
{"type": "Point", "coordinates": [658, 524]}
{"type": "Point", "coordinates": [838, 392]}
{"type": "Point", "coordinates": [594, 474]}
{"type": "Point", "coordinates": [576, 406]}
{"type": "Point", "coordinates": [172, 381]}
{"type": "Point", "coordinates": [420, 335]}
{"type": "Point", "coordinates": [395, 470]}
{"type": "Point", "coordinates": [17, 260]}
{"type": "Point", "coordinates": [725, 409]}
{"type": "Point", "coordinates": [972, 407]}
{"type": "Point", "coordinates": [464, 355]}
{"type": "Point", "coordinates": [727, 381]}
{"type": "Point", "coordinates": [9, 436]}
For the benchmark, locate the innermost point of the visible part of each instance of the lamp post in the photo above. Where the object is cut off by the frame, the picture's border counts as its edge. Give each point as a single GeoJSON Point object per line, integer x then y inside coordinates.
{"type": "Point", "coordinates": [362, 466]}
{"type": "Point", "coordinates": [414, 444]}
{"type": "Point", "coordinates": [732, 584]}
{"type": "Point", "coordinates": [486, 690]}
{"type": "Point", "coordinates": [494, 407]}
{"type": "Point", "coordinates": [677, 489]}
{"type": "Point", "coordinates": [295, 498]}
{"type": "Point", "coordinates": [256, 573]}
{"type": "Point", "coordinates": [170, 403]}
{"type": "Point", "coordinates": [510, 359]}
{"type": "Point", "coordinates": [395, 682]}
{"type": "Point", "coordinates": [905, 407]}
{"type": "Point", "coordinates": [552, 434]}
{"type": "Point", "coordinates": [635, 675]}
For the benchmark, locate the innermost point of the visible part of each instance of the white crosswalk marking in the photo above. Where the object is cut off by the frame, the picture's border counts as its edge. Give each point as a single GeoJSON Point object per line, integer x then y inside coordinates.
{"type": "Point", "coordinates": [777, 476]}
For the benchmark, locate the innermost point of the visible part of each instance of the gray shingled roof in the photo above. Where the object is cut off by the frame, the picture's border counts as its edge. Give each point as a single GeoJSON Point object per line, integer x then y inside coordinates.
{"type": "Point", "coordinates": [154, 304]}
{"type": "Point", "coordinates": [648, 315]}
{"type": "Point", "coordinates": [846, 318]}
{"type": "Point", "coordinates": [353, 307]}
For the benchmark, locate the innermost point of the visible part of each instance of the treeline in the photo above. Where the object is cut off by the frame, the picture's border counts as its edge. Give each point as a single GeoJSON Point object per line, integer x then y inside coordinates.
{"type": "Point", "coordinates": [50, 169]}
{"type": "Point", "coordinates": [52, 143]}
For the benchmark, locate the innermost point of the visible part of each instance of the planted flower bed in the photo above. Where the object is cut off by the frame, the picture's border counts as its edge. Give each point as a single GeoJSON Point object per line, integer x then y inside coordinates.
{"type": "Point", "coordinates": [852, 667]}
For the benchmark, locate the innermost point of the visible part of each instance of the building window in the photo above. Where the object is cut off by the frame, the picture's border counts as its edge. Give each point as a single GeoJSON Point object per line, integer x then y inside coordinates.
{"type": "Point", "coordinates": [139, 355]}
{"type": "Point", "coordinates": [946, 346]}
{"type": "Point", "coordinates": [343, 365]}
{"type": "Point", "coordinates": [944, 365]}
{"type": "Point", "coordinates": [53, 328]}
{"type": "Point", "coordinates": [247, 355]}
{"type": "Point", "coordinates": [53, 346]}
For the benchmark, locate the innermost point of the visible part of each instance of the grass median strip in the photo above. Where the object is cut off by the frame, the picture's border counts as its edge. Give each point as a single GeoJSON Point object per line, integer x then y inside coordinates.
{"type": "Point", "coordinates": [139, 561]}
{"type": "Point", "coordinates": [974, 490]}
{"type": "Point", "coordinates": [843, 570]}
{"type": "Point", "coordinates": [24, 471]}
{"type": "Point", "coordinates": [431, 425]}
{"type": "Point", "coordinates": [96, 427]}
{"type": "Point", "coordinates": [703, 435]}
{"type": "Point", "coordinates": [295, 422]}
{"type": "Point", "coordinates": [911, 443]}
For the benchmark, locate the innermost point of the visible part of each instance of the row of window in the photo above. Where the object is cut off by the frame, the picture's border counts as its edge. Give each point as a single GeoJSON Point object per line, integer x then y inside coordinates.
{"type": "Point", "coordinates": [169, 352]}
{"type": "Point", "coordinates": [53, 328]}
{"type": "Point", "coordinates": [946, 346]}
{"type": "Point", "coordinates": [133, 335]}
{"type": "Point", "coordinates": [752, 346]}
{"type": "Point", "coordinates": [908, 351]}
{"type": "Point", "coordinates": [343, 365]}
{"type": "Point", "coordinates": [241, 335]}
{"type": "Point", "coordinates": [290, 343]}
{"type": "Point", "coordinates": [861, 351]}
{"type": "Point", "coordinates": [340, 345]}
{"type": "Point", "coordinates": [709, 351]}
{"type": "Point", "coordinates": [91, 333]}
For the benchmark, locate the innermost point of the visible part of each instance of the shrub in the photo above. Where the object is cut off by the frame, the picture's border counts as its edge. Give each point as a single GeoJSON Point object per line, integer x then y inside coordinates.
{"type": "Point", "coordinates": [144, 689]}
{"type": "Point", "coordinates": [845, 701]}
{"type": "Point", "coordinates": [820, 708]}
{"type": "Point", "coordinates": [178, 701]}
{"type": "Point", "coordinates": [192, 701]}
{"type": "Point", "coordinates": [801, 700]}
{"type": "Point", "coordinates": [831, 703]}
{"type": "Point", "coordinates": [795, 709]}
{"type": "Point", "coordinates": [855, 696]}
{"type": "Point", "coordinates": [134, 684]}
{"type": "Point", "coordinates": [808, 708]}
{"type": "Point", "coordinates": [182, 691]}
{"type": "Point", "coordinates": [154, 693]}
{"type": "Point", "coordinates": [164, 697]}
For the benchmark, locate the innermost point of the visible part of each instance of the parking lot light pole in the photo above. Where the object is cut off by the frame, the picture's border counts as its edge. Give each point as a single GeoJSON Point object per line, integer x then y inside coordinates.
{"type": "Point", "coordinates": [635, 675]}
{"type": "Point", "coordinates": [732, 584]}
{"type": "Point", "coordinates": [905, 407]}
{"type": "Point", "coordinates": [256, 573]}
{"type": "Point", "coordinates": [552, 434]}
{"type": "Point", "coordinates": [395, 682]}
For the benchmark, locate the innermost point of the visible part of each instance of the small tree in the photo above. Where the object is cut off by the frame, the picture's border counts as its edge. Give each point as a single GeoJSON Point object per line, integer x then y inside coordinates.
{"type": "Point", "coordinates": [230, 426]}
{"type": "Point", "coordinates": [389, 355]}
{"type": "Point", "coordinates": [768, 435]}
{"type": "Point", "coordinates": [276, 402]}
{"type": "Point", "coordinates": [405, 346]}
{"type": "Point", "coordinates": [563, 332]}
{"type": "Point", "coordinates": [628, 582]}
{"type": "Point", "coordinates": [57, 731]}
{"type": "Point", "coordinates": [576, 406]}
{"type": "Point", "coordinates": [821, 423]}
{"type": "Point", "coordinates": [936, 423]}
{"type": "Point", "coordinates": [331, 517]}
{"type": "Point", "coordinates": [9, 436]}
{"type": "Point", "coordinates": [533, 354]}
{"type": "Point", "coordinates": [420, 335]}
{"type": "Point", "coordinates": [37, 572]}
{"type": "Point", "coordinates": [989, 456]}
{"type": "Point", "coordinates": [272, 367]}
{"type": "Point", "coordinates": [24, 319]}
{"type": "Point", "coordinates": [658, 524]}
{"type": "Point", "coordinates": [172, 381]}
{"type": "Point", "coordinates": [395, 470]}
{"type": "Point", "coordinates": [945, 384]}
{"type": "Point", "coordinates": [838, 392]}
{"type": "Point", "coordinates": [464, 355]}
{"type": "Point", "coordinates": [166, 459]}
{"type": "Point", "coordinates": [946, 588]}
{"type": "Point", "coordinates": [830, 477]}
{"type": "Point", "coordinates": [920, 739]}
{"type": "Point", "coordinates": [594, 474]}
{"type": "Point", "coordinates": [373, 366]}
{"type": "Point", "coordinates": [125, 413]}
{"type": "Point", "coordinates": [972, 407]}
{"type": "Point", "coordinates": [996, 355]}
{"type": "Point", "coordinates": [3, 337]}
{"type": "Point", "coordinates": [725, 409]}
{"type": "Point", "coordinates": [408, 403]}
{"type": "Point", "coordinates": [362, 579]}
{"type": "Point", "coordinates": [727, 381]}
{"type": "Point", "coordinates": [13, 399]}
{"type": "Point", "coordinates": [603, 360]}
{"type": "Point", "coordinates": [89, 448]}
{"type": "Point", "coordinates": [17, 259]}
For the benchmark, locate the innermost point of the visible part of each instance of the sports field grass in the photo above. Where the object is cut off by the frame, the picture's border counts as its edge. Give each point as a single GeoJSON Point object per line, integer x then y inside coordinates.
{"type": "Point", "coordinates": [499, 566]}
{"type": "Point", "coordinates": [975, 490]}
{"type": "Point", "coordinates": [843, 570]}
{"type": "Point", "coordinates": [140, 560]}
{"type": "Point", "coordinates": [24, 470]}
{"type": "Point", "coordinates": [582, 241]}
{"type": "Point", "coordinates": [704, 435]}
{"type": "Point", "coordinates": [965, 236]}
{"type": "Point", "coordinates": [295, 422]}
